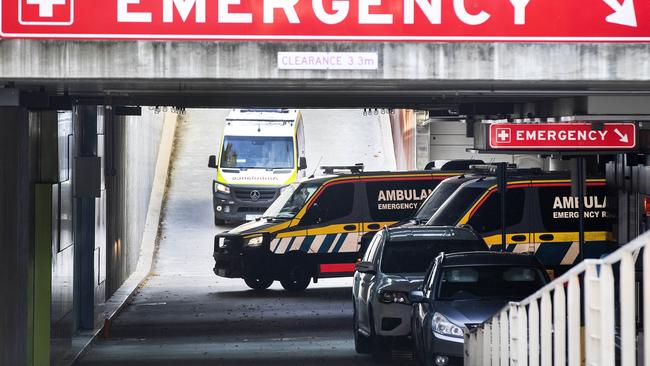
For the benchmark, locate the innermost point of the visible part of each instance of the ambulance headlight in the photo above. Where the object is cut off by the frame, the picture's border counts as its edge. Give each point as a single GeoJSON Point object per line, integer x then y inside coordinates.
{"type": "Point", "coordinates": [223, 189]}
{"type": "Point", "coordinates": [255, 242]}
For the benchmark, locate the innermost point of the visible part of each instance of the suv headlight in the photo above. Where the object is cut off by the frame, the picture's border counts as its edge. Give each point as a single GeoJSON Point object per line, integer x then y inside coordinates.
{"type": "Point", "coordinates": [255, 241]}
{"type": "Point", "coordinates": [223, 188]}
{"type": "Point", "coordinates": [440, 324]}
{"type": "Point", "coordinates": [398, 297]}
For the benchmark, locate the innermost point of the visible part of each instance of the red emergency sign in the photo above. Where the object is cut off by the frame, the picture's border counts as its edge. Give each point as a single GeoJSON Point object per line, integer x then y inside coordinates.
{"type": "Point", "coordinates": [562, 136]}
{"type": "Point", "coordinates": [331, 20]}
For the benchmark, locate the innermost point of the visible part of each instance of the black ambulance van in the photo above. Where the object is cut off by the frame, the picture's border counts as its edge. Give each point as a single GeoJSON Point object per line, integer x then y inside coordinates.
{"type": "Point", "coordinates": [319, 227]}
{"type": "Point", "coordinates": [541, 215]}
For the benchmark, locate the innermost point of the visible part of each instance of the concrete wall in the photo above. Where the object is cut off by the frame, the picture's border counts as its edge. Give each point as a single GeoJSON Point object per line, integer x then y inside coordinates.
{"type": "Point", "coordinates": [130, 167]}
{"type": "Point", "coordinates": [16, 197]}
{"type": "Point", "coordinates": [149, 61]}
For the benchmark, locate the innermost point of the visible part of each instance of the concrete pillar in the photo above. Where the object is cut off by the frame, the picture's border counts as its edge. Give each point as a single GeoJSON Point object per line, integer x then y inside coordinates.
{"type": "Point", "coordinates": [85, 123]}
{"type": "Point", "coordinates": [16, 230]}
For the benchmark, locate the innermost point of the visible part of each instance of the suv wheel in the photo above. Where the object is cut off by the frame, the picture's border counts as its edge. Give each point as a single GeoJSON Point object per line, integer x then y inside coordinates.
{"type": "Point", "coordinates": [362, 343]}
{"type": "Point", "coordinates": [259, 282]}
{"type": "Point", "coordinates": [297, 278]}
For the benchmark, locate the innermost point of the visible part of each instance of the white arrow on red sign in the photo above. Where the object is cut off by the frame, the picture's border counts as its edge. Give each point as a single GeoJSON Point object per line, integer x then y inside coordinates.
{"type": "Point", "coordinates": [624, 14]}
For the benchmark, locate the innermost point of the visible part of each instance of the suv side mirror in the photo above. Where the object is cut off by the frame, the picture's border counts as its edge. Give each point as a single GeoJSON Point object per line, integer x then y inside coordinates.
{"type": "Point", "coordinates": [365, 267]}
{"type": "Point", "coordinates": [417, 296]}
{"type": "Point", "coordinates": [212, 162]}
{"type": "Point", "coordinates": [302, 163]}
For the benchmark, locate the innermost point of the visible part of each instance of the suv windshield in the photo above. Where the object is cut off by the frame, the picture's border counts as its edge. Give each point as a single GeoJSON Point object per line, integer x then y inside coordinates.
{"type": "Point", "coordinates": [291, 200]}
{"type": "Point", "coordinates": [437, 198]}
{"type": "Point", "coordinates": [415, 256]}
{"type": "Point", "coordinates": [453, 209]}
{"type": "Point", "coordinates": [251, 152]}
{"type": "Point", "coordinates": [512, 283]}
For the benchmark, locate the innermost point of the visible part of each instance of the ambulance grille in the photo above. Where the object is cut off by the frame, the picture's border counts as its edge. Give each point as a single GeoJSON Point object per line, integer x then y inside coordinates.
{"type": "Point", "coordinates": [247, 194]}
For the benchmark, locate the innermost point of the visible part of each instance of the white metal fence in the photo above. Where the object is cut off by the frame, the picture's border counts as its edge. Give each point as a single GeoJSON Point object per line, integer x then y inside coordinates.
{"type": "Point", "coordinates": [554, 327]}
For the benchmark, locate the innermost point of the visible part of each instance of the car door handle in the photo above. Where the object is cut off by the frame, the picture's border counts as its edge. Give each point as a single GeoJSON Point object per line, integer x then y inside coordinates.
{"type": "Point", "coordinates": [546, 237]}
{"type": "Point", "coordinates": [519, 238]}
{"type": "Point", "coordinates": [350, 227]}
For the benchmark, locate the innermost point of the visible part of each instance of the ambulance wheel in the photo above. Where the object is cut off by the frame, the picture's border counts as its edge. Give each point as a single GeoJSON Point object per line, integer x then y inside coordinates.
{"type": "Point", "coordinates": [258, 282]}
{"type": "Point", "coordinates": [297, 278]}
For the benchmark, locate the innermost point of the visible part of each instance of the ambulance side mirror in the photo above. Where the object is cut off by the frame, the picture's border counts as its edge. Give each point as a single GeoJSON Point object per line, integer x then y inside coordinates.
{"type": "Point", "coordinates": [212, 162]}
{"type": "Point", "coordinates": [302, 163]}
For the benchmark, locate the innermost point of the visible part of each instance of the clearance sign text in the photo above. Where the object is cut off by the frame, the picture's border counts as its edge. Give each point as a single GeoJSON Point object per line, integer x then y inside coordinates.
{"type": "Point", "coordinates": [333, 20]}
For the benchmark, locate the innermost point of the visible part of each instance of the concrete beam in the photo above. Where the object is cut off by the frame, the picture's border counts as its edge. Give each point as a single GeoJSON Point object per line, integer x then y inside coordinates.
{"type": "Point", "coordinates": [76, 61]}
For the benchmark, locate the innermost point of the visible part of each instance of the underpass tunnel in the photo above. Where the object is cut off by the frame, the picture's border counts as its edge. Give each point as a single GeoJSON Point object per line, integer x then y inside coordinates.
{"type": "Point", "coordinates": [77, 186]}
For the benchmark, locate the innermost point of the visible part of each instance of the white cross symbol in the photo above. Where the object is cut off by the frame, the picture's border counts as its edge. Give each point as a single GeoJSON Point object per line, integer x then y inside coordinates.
{"type": "Point", "coordinates": [503, 135]}
{"type": "Point", "coordinates": [46, 7]}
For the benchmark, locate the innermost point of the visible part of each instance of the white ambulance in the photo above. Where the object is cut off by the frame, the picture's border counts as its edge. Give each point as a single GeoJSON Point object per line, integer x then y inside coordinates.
{"type": "Point", "coordinates": [262, 151]}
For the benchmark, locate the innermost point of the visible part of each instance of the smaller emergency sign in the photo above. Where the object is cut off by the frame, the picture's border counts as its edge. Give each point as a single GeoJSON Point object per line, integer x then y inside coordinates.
{"type": "Point", "coordinates": [563, 136]}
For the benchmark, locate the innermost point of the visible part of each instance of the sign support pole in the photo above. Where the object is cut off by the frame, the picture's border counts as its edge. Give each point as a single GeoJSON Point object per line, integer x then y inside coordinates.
{"type": "Point", "coordinates": [579, 182]}
{"type": "Point", "coordinates": [502, 183]}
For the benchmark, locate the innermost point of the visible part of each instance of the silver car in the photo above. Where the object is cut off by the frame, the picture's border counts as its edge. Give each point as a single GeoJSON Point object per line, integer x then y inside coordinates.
{"type": "Point", "coordinates": [393, 265]}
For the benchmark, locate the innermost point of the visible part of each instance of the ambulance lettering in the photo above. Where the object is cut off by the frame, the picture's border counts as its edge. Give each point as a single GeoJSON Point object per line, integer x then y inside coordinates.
{"type": "Point", "coordinates": [401, 199]}
{"type": "Point", "coordinates": [567, 207]}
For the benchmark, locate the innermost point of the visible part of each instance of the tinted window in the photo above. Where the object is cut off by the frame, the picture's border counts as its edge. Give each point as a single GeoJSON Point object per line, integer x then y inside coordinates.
{"type": "Point", "coordinates": [511, 283]}
{"type": "Point", "coordinates": [456, 206]}
{"type": "Point", "coordinates": [437, 198]}
{"type": "Point", "coordinates": [335, 202]}
{"type": "Point", "coordinates": [397, 200]}
{"type": "Point", "coordinates": [560, 210]}
{"type": "Point", "coordinates": [372, 248]}
{"type": "Point", "coordinates": [416, 256]}
{"type": "Point", "coordinates": [487, 217]}
{"type": "Point", "coordinates": [292, 199]}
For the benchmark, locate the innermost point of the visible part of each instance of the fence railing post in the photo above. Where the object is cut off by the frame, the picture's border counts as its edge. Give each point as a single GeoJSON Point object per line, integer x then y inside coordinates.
{"type": "Point", "coordinates": [505, 344]}
{"type": "Point", "coordinates": [573, 315]}
{"type": "Point", "coordinates": [559, 325]}
{"type": "Point", "coordinates": [546, 330]}
{"type": "Point", "coordinates": [627, 306]}
{"type": "Point", "coordinates": [487, 344]}
{"type": "Point", "coordinates": [592, 315]}
{"type": "Point", "coordinates": [607, 301]}
{"type": "Point", "coordinates": [496, 340]}
{"type": "Point", "coordinates": [522, 335]}
{"type": "Point", "coordinates": [533, 337]}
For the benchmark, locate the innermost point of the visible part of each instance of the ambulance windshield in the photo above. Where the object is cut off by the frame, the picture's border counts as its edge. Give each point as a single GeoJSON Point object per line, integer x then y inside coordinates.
{"type": "Point", "coordinates": [251, 152]}
{"type": "Point", "coordinates": [291, 200]}
{"type": "Point", "coordinates": [443, 191]}
{"type": "Point", "coordinates": [456, 206]}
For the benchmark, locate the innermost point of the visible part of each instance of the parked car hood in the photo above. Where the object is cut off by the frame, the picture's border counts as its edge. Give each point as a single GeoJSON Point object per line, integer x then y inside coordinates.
{"type": "Point", "coordinates": [462, 312]}
{"type": "Point", "coordinates": [401, 282]}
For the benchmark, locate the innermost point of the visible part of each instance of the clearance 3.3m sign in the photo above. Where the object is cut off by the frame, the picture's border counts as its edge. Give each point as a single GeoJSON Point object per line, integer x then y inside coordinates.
{"type": "Point", "coordinates": [330, 20]}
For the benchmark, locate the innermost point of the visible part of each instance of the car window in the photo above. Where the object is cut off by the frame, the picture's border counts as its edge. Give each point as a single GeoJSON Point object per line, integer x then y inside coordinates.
{"type": "Point", "coordinates": [429, 279]}
{"type": "Point", "coordinates": [415, 256]}
{"type": "Point", "coordinates": [559, 209]}
{"type": "Point", "coordinates": [371, 252]}
{"type": "Point", "coordinates": [335, 202]}
{"type": "Point", "coordinates": [511, 283]}
{"type": "Point", "coordinates": [487, 219]}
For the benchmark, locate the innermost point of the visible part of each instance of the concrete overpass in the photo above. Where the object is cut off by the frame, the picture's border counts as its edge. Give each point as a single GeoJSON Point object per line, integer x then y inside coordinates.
{"type": "Point", "coordinates": [203, 73]}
